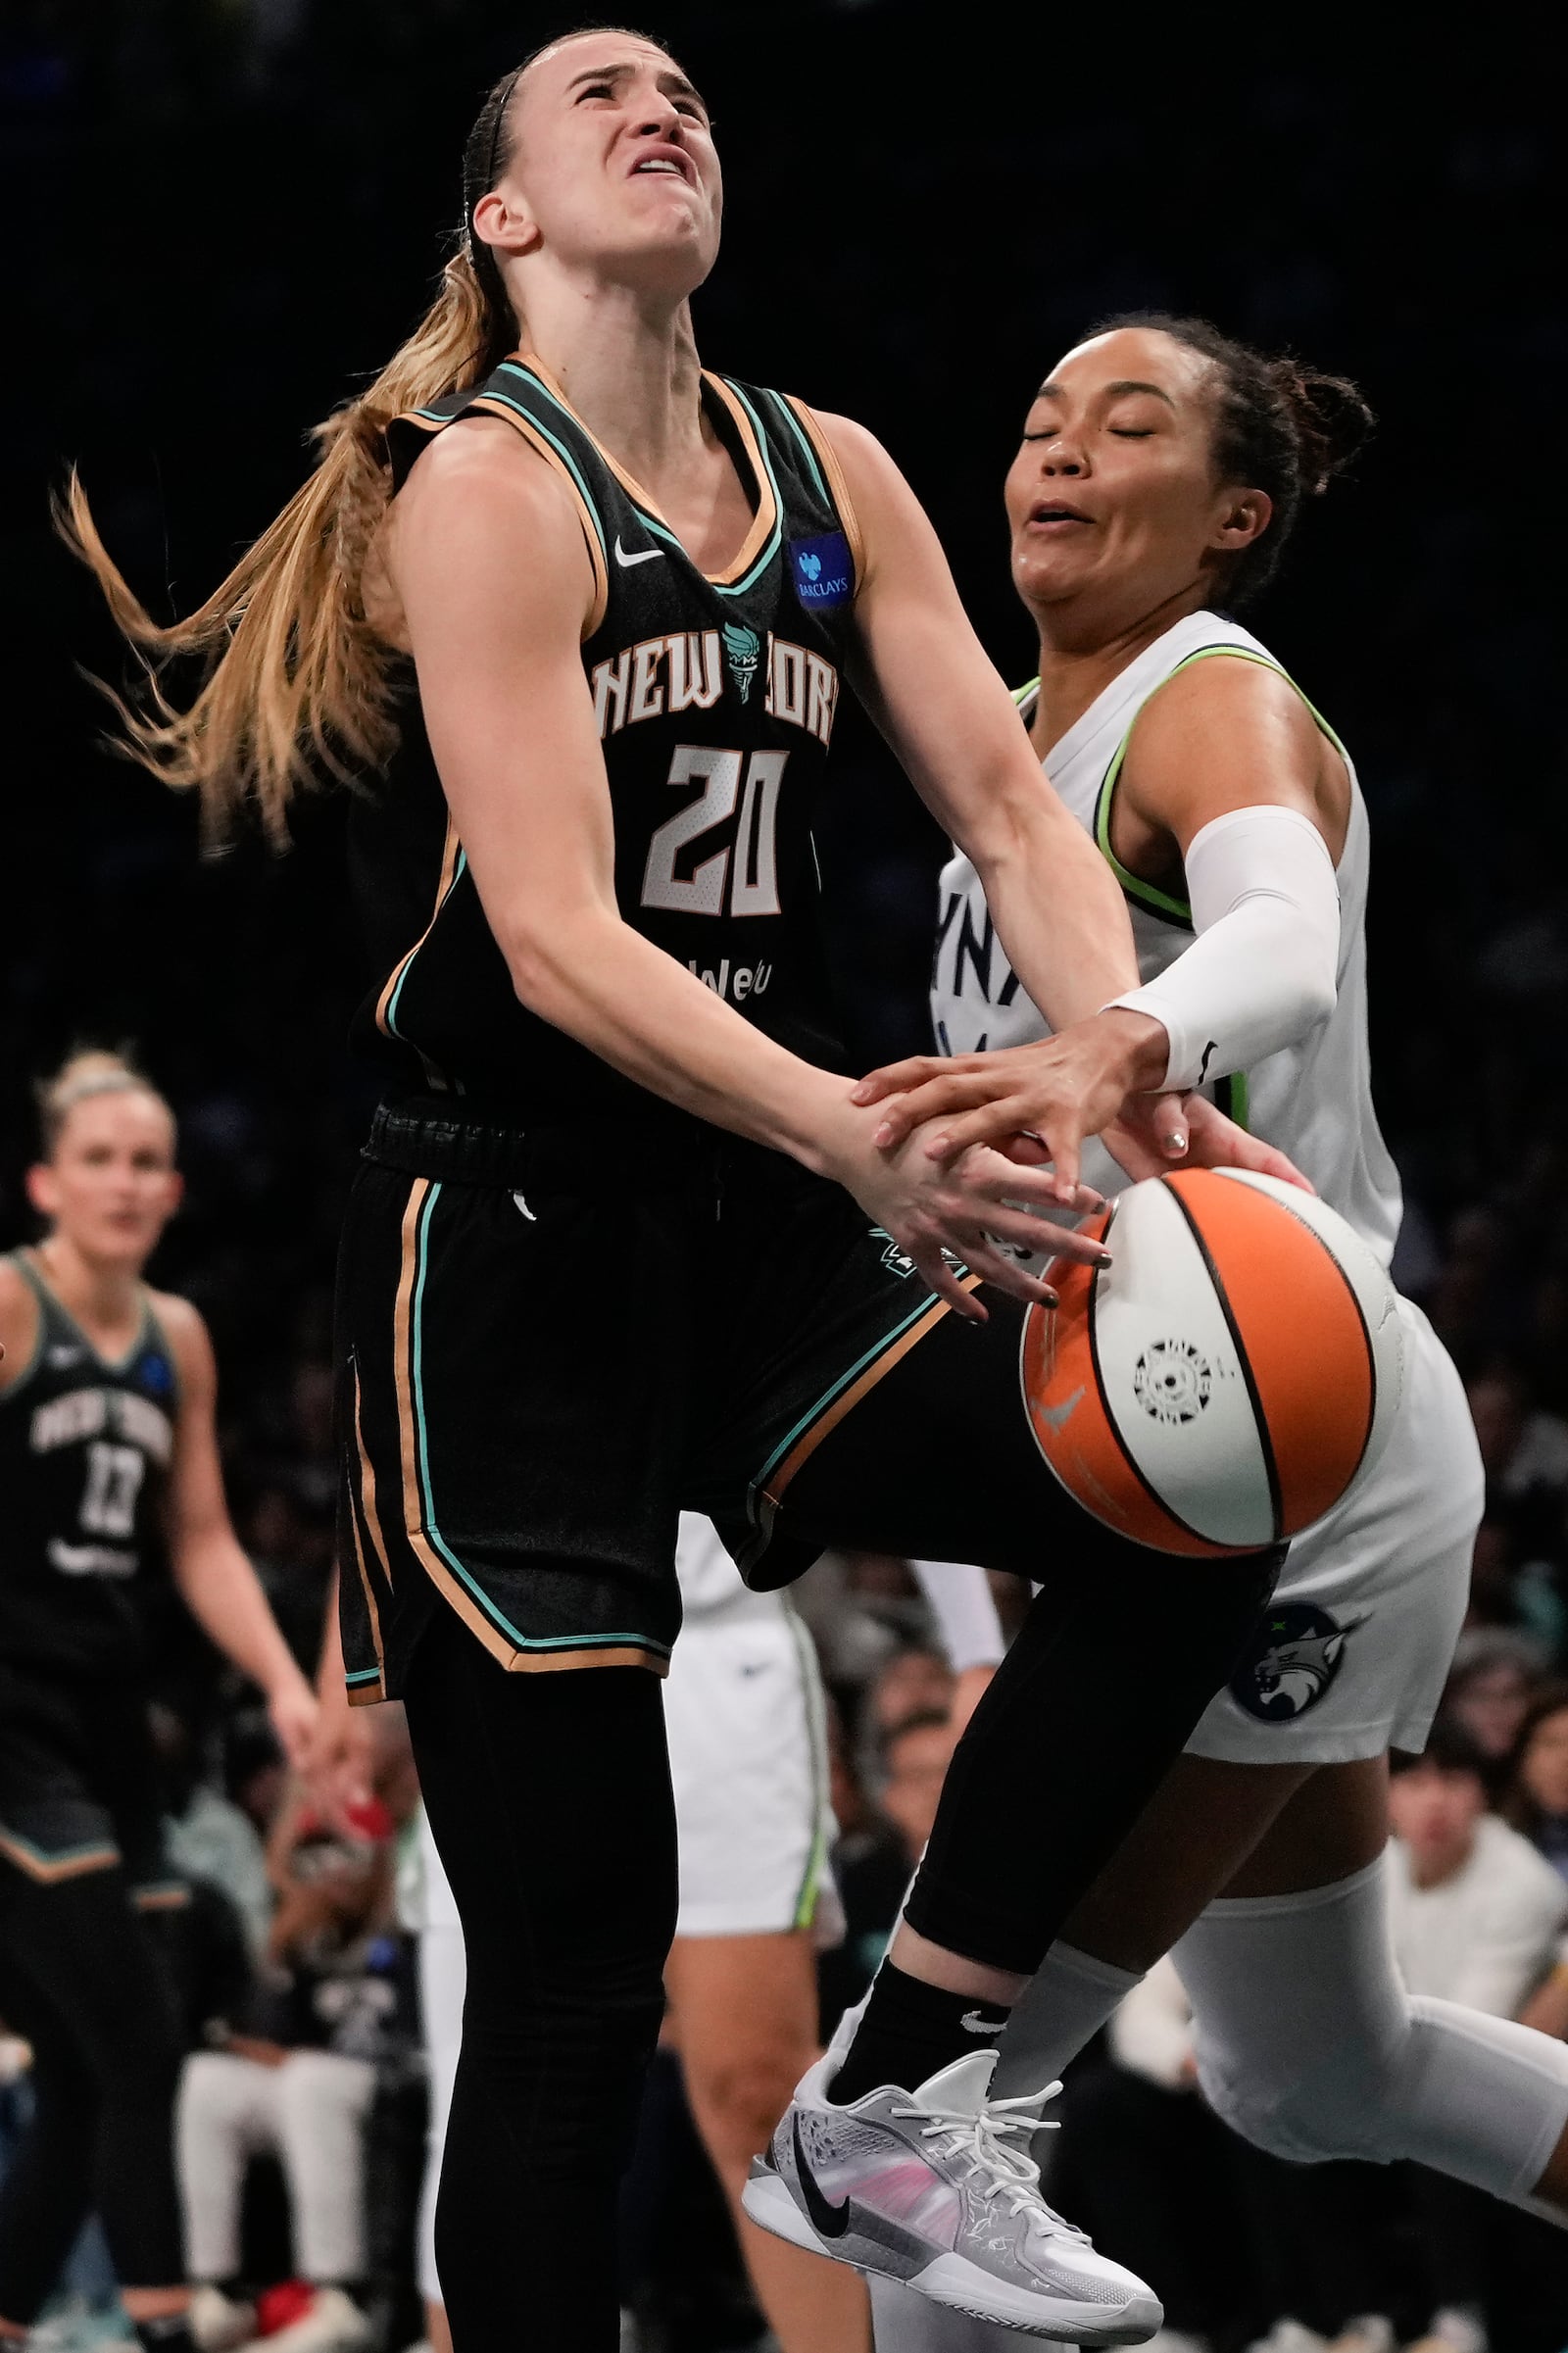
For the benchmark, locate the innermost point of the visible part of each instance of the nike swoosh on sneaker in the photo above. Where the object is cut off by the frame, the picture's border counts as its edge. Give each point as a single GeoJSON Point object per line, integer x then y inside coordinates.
{"type": "Point", "coordinates": [827, 2219]}
{"type": "Point", "coordinates": [642, 555]}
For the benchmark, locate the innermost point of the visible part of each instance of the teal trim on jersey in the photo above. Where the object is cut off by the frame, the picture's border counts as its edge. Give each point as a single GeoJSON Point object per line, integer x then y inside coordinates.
{"type": "Point", "coordinates": [1144, 894]}
{"type": "Point", "coordinates": [459, 866]}
{"type": "Point", "coordinates": [47, 1296]}
{"type": "Point", "coordinates": [421, 1464]}
{"type": "Point", "coordinates": [660, 530]}
{"type": "Point", "coordinates": [363, 1675]}
{"type": "Point", "coordinates": [97, 1852]}
{"type": "Point", "coordinates": [810, 1888]}
{"type": "Point", "coordinates": [877, 1349]}
{"type": "Point", "coordinates": [738, 588]}
{"type": "Point", "coordinates": [509, 367]}
{"type": "Point", "coordinates": [807, 451]}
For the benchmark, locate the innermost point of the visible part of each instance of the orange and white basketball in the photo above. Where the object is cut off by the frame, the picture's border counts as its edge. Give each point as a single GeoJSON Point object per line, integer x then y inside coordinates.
{"type": "Point", "coordinates": [1220, 1384]}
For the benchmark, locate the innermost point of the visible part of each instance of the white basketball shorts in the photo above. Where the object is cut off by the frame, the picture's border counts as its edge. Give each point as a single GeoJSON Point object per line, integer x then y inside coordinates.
{"type": "Point", "coordinates": [747, 1753]}
{"type": "Point", "coordinates": [1353, 1654]}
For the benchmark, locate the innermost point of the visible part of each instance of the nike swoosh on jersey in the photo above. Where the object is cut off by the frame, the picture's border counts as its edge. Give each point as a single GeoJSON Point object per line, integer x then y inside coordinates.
{"type": "Point", "coordinates": [827, 2219]}
{"type": "Point", "coordinates": [642, 556]}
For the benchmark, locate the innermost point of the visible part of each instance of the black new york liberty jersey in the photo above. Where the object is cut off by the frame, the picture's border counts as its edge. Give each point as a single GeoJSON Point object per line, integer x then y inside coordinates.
{"type": "Point", "coordinates": [714, 697]}
{"type": "Point", "coordinates": [84, 1445]}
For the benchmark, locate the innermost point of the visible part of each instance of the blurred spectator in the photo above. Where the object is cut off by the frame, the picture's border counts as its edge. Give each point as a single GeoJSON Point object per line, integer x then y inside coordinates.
{"type": "Point", "coordinates": [1524, 1449]}
{"type": "Point", "coordinates": [255, 1770]}
{"type": "Point", "coordinates": [1477, 1917]}
{"type": "Point", "coordinates": [917, 1754]}
{"type": "Point", "coordinates": [206, 1836]}
{"type": "Point", "coordinates": [1535, 1800]}
{"type": "Point", "coordinates": [872, 1870]}
{"type": "Point", "coordinates": [916, 1681]}
{"type": "Point", "coordinates": [1488, 1692]}
{"type": "Point", "coordinates": [299, 2077]}
{"type": "Point", "coordinates": [1476, 1911]}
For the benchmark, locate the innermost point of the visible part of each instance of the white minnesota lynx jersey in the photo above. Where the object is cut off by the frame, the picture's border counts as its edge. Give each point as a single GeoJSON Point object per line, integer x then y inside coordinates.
{"type": "Point", "coordinates": [1313, 1099]}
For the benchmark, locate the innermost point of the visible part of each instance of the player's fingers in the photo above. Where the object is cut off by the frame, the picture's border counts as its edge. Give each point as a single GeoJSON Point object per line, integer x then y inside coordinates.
{"type": "Point", "coordinates": [892, 1078]}
{"type": "Point", "coordinates": [1008, 1275]}
{"type": "Point", "coordinates": [987, 1119]}
{"type": "Point", "coordinates": [948, 1091]}
{"type": "Point", "coordinates": [1264, 1160]}
{"type": "Point", "coordinates": [939, 1275]}
{"type": "Point", "coordinates": [1170, 1126]}
{"type": "Point", "coordinates": [1030, 1234]}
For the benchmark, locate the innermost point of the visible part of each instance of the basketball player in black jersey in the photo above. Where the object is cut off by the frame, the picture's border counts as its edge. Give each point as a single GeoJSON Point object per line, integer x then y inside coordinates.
{"type": "Point", "coordinates": [109, 1474]}
{"type": "Point", "coordinates": [624, 1241]}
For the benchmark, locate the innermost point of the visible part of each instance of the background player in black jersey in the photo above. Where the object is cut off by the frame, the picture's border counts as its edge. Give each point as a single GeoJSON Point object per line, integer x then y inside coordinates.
{"type": "Point", "coordinates": [624, 1241]}
{"type": "Point", "coordinates": [111, 1472]}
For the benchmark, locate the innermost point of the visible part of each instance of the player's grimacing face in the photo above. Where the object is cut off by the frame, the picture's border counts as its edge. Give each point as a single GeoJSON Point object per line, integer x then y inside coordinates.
{"type": "Point", "coordinates": [1113, 486]}
{"type": "Point", "coordinates": [111, 1185]}
{"type": "Point", "coordinates": [613, 156]}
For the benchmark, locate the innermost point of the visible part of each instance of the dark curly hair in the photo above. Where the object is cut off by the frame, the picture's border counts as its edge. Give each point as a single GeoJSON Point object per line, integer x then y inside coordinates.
{"type": "Point", "coordinates": [1278, 427]}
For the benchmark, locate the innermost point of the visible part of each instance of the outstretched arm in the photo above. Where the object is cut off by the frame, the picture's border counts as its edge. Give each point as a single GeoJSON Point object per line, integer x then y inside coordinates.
{"type": "Point", "coordinates": [1228, 779]}
{"type": "Point", "coordinates": [944, 712]}
{"type": "Point", "coordinates": [214, 1577]}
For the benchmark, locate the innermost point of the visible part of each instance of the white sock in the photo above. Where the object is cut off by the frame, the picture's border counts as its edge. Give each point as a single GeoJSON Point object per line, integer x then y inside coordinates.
{"type": "Point", "coordinates": [1063, 2006]}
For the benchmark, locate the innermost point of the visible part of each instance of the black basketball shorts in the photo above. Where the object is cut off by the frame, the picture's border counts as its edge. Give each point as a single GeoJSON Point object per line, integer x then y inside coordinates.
{"type": "Point", "coordinates": [551, 1342]}
{"type": "Point", "coordinates": [79, 1788]}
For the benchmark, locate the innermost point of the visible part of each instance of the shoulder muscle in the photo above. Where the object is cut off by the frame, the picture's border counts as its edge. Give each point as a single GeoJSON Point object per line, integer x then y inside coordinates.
{"type": "Point", "coordinates": [481, 507]}
{"type": "Point", "coordinates": [189, 1342]}
{"type": "Point", "coordinates": [1232, 734]}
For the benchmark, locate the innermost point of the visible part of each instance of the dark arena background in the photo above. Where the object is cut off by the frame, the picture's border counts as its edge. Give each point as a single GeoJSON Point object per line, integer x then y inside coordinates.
{"type": "Point", "coordinates": [222, 215]}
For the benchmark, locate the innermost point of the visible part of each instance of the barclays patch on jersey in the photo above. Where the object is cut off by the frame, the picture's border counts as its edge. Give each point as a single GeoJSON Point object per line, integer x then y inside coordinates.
{"type": "Point", "coordinates": [1291, 1663]}
{"type": "Point", "coordinates": [823, 571]}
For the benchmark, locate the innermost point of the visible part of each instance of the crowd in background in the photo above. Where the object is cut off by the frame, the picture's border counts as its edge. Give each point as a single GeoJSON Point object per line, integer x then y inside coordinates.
{"type": "Point", "coordinates": [913, 247]}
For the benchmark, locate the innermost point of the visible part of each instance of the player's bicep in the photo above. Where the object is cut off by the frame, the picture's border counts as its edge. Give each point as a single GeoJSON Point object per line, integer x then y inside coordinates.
{"type": "Point", "coordinates": [1222, 736]}
{"type": "Point", "coordinates": [495, 584]}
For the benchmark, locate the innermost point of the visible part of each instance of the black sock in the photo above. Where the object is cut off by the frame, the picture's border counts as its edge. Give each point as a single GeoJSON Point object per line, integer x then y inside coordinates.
{"type": "Point", "coordinates": [910, 2031]}
{"type": "Point", "coordinates": [170, 2334]}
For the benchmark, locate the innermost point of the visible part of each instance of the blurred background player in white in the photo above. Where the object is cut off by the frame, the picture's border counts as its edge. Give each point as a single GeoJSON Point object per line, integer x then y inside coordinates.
{"type": "Point", "coordinates": [1160, 474]}
{"type": "Point", "coordinates": [748, 1751]}
{"type": "Point", "coordinates": [110, 1451]}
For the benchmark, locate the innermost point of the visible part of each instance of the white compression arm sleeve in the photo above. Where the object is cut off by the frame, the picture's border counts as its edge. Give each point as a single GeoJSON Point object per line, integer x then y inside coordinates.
{"type": "Point", "coordinates": [1264, 967]}
{"type": "Point", "coordinates": [960, 1600]}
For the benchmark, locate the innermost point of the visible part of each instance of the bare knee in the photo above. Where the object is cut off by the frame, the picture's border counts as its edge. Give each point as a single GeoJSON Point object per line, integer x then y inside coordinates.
{"type": "Point", "coordinates": [738, 2095]}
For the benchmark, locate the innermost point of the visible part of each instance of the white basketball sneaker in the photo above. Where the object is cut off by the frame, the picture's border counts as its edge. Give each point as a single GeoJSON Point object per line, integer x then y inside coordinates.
{"type": "Point", "coordinates": [923, 2187]}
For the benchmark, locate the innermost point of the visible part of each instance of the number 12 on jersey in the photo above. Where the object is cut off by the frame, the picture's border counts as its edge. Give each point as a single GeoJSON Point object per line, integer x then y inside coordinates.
{"type": "Point", "coordinates": [748, 864]}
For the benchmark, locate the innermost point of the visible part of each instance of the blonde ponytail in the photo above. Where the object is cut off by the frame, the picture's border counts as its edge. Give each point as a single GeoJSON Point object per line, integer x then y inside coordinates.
{"type": "Point", "coordinates": [296, 681]}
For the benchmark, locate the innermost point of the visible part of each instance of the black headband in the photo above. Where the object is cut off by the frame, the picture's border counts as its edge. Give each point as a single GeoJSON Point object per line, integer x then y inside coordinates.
{"type": "Point", "coordinates": [485, 264]}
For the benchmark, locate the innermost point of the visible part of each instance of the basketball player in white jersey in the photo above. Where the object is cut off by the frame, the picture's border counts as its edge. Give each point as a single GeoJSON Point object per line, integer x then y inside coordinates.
{"type": "Point", "coordinates": [1159, 473]}
{"type": "Point", "coordinates": [744, 1714]}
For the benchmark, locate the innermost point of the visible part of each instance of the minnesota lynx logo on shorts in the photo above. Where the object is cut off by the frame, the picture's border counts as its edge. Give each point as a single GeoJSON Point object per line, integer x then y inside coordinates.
{"type": "Point", "coordinates": [1292, 1660]}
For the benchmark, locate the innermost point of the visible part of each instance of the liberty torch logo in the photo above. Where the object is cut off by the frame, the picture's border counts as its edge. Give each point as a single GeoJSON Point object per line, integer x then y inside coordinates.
{"type": "Point", "coordinates": [743, 649]}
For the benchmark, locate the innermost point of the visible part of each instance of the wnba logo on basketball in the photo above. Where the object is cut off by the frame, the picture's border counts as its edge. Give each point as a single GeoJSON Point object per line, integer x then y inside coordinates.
{"type": "Point", "coordinates": [1171, 1381]}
